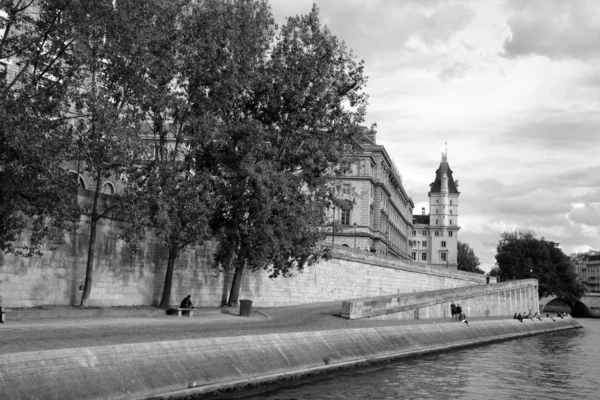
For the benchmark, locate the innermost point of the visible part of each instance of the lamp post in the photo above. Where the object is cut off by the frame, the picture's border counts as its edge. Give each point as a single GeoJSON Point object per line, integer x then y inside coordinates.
{"type": "Point", "coordinates": [355, 235]}
{"type": "Point", "coordinates": [418, 250]}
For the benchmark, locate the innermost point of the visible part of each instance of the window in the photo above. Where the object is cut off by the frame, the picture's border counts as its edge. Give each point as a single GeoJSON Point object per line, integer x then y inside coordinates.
{"type": "Point", "coordinates": [450, 202]}
{"type": "Point", "coordinates": [437, 202]}
{"type": "Point", "coordinates": [346, 189]}
{"type": "Point", "coordinates": [424, 233]}
{"type": "Point", "coordinates": [443, 243]}
{"type": "Point", "coordinates": [424, 243]}
{"type": "Point", "coordinates": [414, 233]}
{"type": "Point", "coordinates": [450, 234]}
{"type": "Point", "coordinates": [450, 212]}
{"type": "Point", "coordinates": [414, 255]}
{"type": "Point", "coordinates": [437, 233]}
{"type": "Point", "coordinates": [436, 221]}
{"type": "Point", "coordinates": [437, 211]}
{"type": "Point", "coordinates": [450, 222]}
{"type": "Point", "coordinates": [444, 256]}
{"type": "Point", "coordinates": [345, 217]}
{"type": "Point", "coordinates": [423, 256]}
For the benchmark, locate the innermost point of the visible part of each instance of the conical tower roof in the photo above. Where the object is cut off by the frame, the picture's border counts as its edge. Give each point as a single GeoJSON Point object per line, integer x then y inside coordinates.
{"type": "Point", "coordinates": [436, 186]}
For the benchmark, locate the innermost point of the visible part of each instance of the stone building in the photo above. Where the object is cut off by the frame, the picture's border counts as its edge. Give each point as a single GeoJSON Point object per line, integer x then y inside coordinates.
{"type": "Point", "coordinates": [434, 236]}
{"type": "Point", "coordinates": [587, 267]}
{"type": "Point", "coordinates": [377, 215]}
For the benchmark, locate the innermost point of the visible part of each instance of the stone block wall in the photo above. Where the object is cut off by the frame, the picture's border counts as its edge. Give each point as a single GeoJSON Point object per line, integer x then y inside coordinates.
{"type": "Point", "coordinates": [122, 278]}
{"type": "Point", "coordinates": [502, 299]}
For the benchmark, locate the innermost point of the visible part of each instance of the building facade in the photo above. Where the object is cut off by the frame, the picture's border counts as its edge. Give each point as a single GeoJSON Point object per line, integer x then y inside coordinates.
{"type": "Point", "coordinates": [377, 215]}
{"type": "Point", "coordinates": [434, 236]}
{"type": "Point", "coordinates": [587, 267]}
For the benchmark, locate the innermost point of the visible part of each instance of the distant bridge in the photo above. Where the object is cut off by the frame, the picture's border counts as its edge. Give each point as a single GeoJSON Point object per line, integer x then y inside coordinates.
{"type": "Point", "coordinates": [587, 306]}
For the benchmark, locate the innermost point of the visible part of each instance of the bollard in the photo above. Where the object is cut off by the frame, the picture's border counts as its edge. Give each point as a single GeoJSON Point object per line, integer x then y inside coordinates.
{"type": "Point", "coordinates": [245, 308]}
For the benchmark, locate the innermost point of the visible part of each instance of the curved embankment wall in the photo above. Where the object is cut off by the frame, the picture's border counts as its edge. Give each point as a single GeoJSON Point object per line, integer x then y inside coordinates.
{"type": "Point", "coordinates": [497, 299]}
{"type": "Point", "coordinates": [121, 278]}
{"type": "Point", "coordinates": [168, 368]}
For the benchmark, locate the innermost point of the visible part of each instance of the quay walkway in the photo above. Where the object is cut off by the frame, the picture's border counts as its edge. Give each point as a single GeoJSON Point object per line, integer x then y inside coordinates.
{"type": "Point", "coordinates": [108, 348]}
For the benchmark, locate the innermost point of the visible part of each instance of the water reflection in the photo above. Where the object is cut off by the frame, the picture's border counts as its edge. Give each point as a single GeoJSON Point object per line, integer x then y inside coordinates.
{"type": "Point", "coordinates": [554, 366]}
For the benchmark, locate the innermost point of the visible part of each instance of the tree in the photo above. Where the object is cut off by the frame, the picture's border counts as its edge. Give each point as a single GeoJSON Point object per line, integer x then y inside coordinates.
{"type": "Point", "coordinates": [495, 272]}
{"type": "Point", "coordinates": [520, 255]}
{"type": "Point", "coordinates": [37, 190]}
{"type": "Point", "coordinates": [467, 260]}
{"type": "Point", "coordinates": [201, 60]}
{"type": "Point", "coordinates": [109, 50]}
{"type": "Point", "coordinates": [294, 121]}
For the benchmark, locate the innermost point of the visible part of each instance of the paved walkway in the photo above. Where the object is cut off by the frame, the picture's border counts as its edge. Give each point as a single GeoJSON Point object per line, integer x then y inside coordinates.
{"type": "Point", "coordinates": [69, 327]}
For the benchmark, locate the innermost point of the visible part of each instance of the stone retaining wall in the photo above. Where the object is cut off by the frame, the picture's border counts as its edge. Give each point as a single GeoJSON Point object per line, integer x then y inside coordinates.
{"type": "Point", "coordinates": [122, 278]}
{"type": "Point", "coordinates": [498, 299]}
{"type": "Point", "coordinates": [151, 369]}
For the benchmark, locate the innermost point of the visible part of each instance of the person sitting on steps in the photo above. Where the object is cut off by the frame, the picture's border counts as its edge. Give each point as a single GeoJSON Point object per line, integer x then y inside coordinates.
{"type": "Point", "coordinates": [187, 302]}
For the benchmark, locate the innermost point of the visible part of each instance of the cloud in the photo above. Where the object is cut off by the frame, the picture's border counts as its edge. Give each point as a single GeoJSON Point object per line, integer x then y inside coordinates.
{"type": "Point", "coordinates": [586, 215]}
{"type": "Point", "coordinates": [375, 28]}
{"type": "Point", "coordinates": [554, 28]}
{"type": "Point", "coordinates": [458, 70]}
{"type": "Point", "coordinates": [445, 22]}
{"type": "Point", "coordinates": [554, 130]}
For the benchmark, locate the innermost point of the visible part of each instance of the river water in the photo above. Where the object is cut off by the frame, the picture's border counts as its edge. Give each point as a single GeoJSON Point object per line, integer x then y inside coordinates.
{"type": "Point", "coordinates": [564, 365]}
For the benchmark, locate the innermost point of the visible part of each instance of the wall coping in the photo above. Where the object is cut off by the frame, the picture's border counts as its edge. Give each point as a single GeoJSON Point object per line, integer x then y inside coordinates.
{"type": "Point", "coordinates": [406, 266]}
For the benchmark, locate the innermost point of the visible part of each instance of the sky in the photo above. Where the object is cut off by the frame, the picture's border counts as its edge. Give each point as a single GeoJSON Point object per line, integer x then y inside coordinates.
{"type": "Point", "coordinates": [512, 86]}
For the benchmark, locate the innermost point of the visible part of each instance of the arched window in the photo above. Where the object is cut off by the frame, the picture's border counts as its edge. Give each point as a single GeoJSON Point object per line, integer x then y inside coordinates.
{"type": "Point", "coordinates": [108, 188]}
{"type": "Point", "coordinates": [81, 180]}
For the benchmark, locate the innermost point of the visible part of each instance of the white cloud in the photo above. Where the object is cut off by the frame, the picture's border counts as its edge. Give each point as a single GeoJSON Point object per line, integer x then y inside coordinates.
{"type": "Point", "coordinates": [456, 71]}
{"type": "Point", "coordinates": [554, 28]}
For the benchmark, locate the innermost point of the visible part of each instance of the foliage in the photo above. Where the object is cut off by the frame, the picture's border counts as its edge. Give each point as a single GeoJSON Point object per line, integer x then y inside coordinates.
{"type": "Point", "coordinates": [520, 255]}
{"type": "Point", "coordinates": [296, 116]}
{"type": "Point", "coordinates": [467, 260]}
{"type": "Point", "coordinates": [495, 272]}
{"type": "Point", "coordinates": [37, 190]}
{"type": "Point", "coordinates": [199, 61]}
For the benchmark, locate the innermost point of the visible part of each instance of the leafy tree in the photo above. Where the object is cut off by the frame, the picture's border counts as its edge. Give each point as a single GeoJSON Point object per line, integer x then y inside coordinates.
{"type": "Point", "coordinates": [495, 272]}
{"type": "Point", "coordinates": [520, 255]}
{"type": "Point", "coordinates": [201, 60]}
{"type": "Point", "coordinates": [293, 122]}
{"type": "Point", "coordinates": [467, 260]}
{"type": "Point", "coordinates": [37, 192]}
{"type": "Point", "coordinates": [109, 49]}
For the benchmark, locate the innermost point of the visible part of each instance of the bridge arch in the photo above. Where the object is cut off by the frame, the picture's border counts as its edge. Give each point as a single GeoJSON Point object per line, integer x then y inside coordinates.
{"type": "Point", "coordinates": [555, 305]}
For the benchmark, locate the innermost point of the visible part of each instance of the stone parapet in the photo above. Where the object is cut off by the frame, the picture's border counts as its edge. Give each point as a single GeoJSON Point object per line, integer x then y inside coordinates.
{"type": "Point", "coordinates": [499, 299]}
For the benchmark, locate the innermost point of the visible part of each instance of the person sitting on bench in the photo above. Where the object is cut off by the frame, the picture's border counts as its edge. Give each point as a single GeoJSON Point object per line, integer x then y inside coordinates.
{"type": "Point", "coordinates": [187, 302]}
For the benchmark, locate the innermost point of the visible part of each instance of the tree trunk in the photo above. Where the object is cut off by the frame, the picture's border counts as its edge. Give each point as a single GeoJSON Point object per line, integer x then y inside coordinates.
{"type": "Point", "coordinates": [87, 288]}
{"type": "Point", "coordinates": [165, 301]}
{"type": "Point", "coordinates": [234, 293]}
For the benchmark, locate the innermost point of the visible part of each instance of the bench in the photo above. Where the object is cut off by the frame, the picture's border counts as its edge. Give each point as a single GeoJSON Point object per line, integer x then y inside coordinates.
{"type": "Point", "coordinates": [185, 311]}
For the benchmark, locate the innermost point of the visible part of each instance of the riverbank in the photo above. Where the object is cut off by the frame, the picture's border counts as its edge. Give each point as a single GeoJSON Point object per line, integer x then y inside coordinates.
{"type": "Point", "coordinates": [218, 351]}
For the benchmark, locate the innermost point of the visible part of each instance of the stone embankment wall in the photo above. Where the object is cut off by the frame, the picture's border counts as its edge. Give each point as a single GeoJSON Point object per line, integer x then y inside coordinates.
{"type": "Point", "coordinates": [122, 278]}
{"type": "Point", "coordinates": [498, 299]}
{"type": "Point", "coordinates": [160, 368]}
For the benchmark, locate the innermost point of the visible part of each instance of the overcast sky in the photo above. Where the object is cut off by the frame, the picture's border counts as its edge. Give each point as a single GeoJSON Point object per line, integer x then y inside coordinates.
{"type": "Point", "coordinates": [512, 86]}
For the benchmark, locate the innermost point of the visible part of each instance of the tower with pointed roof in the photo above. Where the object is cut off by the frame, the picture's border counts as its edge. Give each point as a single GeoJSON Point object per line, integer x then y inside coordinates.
{"type": "Point", "coordinates": [435, 236]}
